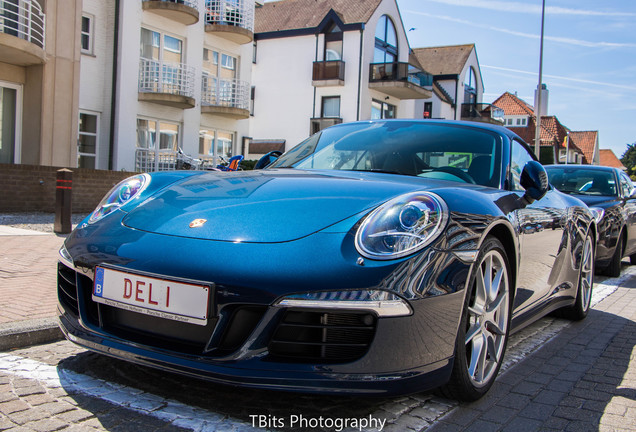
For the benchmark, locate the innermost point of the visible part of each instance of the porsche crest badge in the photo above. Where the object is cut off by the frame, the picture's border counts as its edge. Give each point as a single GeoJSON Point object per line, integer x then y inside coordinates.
{"type": "Point", "coordinates": [197, 223]}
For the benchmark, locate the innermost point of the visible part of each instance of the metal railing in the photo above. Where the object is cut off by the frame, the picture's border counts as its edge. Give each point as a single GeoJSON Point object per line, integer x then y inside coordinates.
{"type": "Point", "coordinates": [192, 3]}
{"type": "Point", "coordinates": [328, 70]}
{"type": "Point", "coordinates": [482, 111]}
{"type": "Point", "coordinates": [172, 78]}
{"type": "Point", "coordinates": [149, 160]}
{"type": "Point", "coordinates": [225, 92]}
{"type": "Point", "coordinates": [230, 12]}
{"type": "Point", "coordinates": [399, 72]}
{"type": "Point", "coordinates": [23, 19]}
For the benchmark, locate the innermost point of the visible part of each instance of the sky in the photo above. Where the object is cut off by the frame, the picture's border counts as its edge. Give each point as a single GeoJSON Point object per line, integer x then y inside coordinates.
{"type": "Point", "coordinates": [589, 55]}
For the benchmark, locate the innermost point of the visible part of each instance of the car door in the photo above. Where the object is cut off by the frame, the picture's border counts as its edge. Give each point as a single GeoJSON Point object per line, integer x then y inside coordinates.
{"type": "Point", "coordinates": [627, 192]}
{"type": "Point", "coordinates": [543, 247]}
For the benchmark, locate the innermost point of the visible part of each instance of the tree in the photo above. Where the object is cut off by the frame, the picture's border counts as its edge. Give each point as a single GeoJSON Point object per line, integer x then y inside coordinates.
{"type": "Point", "coordinates": [629, 160]}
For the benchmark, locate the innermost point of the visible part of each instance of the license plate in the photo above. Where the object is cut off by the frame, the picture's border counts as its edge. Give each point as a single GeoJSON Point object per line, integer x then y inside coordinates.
{"type": "Point", "coordinates": [174, 300]}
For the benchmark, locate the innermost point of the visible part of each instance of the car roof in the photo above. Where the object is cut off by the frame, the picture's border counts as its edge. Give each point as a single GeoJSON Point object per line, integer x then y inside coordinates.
{"type": "Point", "coordinates": [462, 123]}
{"type": "Point", "coordinates": [590, 167]}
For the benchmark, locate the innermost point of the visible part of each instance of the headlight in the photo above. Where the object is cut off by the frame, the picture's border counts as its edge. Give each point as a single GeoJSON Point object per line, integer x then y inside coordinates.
{"type": "Point", "coordinates": [402, 226]}
{"type": "Point", "coordinates": [120, 195]}
{"type": "Point", "coordinates": [598, 213]}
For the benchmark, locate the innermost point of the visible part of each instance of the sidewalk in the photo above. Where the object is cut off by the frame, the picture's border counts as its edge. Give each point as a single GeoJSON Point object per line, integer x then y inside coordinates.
{"type": "Point", "coordinates": [28, 280]}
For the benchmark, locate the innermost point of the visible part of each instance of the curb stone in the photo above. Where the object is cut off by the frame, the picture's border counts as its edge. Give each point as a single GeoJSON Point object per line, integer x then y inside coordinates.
{"type": "Point", "coordinates": [27, 333]}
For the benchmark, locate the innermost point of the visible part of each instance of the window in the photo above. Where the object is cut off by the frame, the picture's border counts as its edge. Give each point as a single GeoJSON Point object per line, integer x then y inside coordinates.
{"type": "Point", "coordinates": [386, 46]}
{"type": "Point", "coordinates": [470, 87]}
{"type": "Point", "coordinates": [520, 157]}
{"type": "Point", "coordinates": [160, 47]}
{"type": "Point", "coordinates": [333, 44]}
{"type": "Point", "coordinates": [254, 51]}
{"type": "Point", "coordinates": [87, 140]}
{"type": "Point", "coordinates": [147, 135]}
{"type": "Point", "coordinates": [87, 34]}
{"type": "Point", "coordinates": [382, 110]}
{"type": "Point", "coordinates": [428, 110]}
{"type": "Point", "coordinates": [215, 143]}
{"type": "Point", "coordinates": [330, 106]}
{"type": "Point", "coordinates": [252, 94]}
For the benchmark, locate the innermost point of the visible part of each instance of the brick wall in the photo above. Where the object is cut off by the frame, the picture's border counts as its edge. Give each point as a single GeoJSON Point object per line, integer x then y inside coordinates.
{"type": "Point", "coordinates": [30, 188]}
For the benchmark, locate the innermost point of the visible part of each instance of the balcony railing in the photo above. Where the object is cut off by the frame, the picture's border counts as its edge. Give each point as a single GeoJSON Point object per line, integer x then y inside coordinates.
{"type": "Point", "coordinates": [399, 72]}
{"type": "Point", "coordinates": [482, 112]}
{"type": "Point", "coordinates": [329, 70]}
{"type": "Point", "coordinates": [168, 78]}
{"type": "Point", "coordinates": [238, 13]}
{"type": "Point", "coordinates": [23, 19]}
{"type": "Point", "coordinates": [230, 93]}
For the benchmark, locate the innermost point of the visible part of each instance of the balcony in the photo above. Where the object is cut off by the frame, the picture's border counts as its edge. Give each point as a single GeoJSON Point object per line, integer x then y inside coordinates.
{"type": "Point", "coordinates": [328, 73]}
{"type": "Point", "coordinates": [230, 19]}
{"type": "Point", "coordinates": [184, 11]}
{"type": "Point", "coordinates": [482, 112]}
{"type": "Point", "coordinates": [400, 80]}
{"type": "Point", "coordinates": [22, 30]}
{"type": "Point", "coordinates": [225, 97]}
{"type": "Point", "coordinates": [170, 84]}
{"type": "Point", "coordinates": [320, 123]}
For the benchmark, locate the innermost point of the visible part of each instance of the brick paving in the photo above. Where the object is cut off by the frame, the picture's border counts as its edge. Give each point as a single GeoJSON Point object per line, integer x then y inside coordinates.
{"type": "Point", "coordinates": [582, 380]}
{"type": "Point", "coordinates": [28, 277]}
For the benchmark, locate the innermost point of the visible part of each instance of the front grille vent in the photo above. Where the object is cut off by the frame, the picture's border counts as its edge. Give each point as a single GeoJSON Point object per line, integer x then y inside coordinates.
{"type": "Point", "coordinates": [323, 337]}
{"type": "Point", "coordinates": [67, 288]}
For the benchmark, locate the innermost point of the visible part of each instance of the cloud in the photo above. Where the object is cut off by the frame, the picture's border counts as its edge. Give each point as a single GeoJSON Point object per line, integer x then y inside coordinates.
{"type": "Point", "coordinates": [567, 41]}
{"type": "Point", "coordinates": [518, 7]}
{"type": "Point", "coordinates": [563, 78]}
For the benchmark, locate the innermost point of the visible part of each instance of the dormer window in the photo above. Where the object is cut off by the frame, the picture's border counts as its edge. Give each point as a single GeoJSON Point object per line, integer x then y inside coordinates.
{"type": "Point", "coordinates": [470, 87]}
{"type": "Point", "coordinates": [333, 43]}
{"type": "Point", "coordinates": [386, 45]}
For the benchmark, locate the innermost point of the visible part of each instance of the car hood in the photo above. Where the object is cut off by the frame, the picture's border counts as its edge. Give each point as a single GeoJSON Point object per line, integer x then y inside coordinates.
{"type": "Point", "coordinates": [264, 206]}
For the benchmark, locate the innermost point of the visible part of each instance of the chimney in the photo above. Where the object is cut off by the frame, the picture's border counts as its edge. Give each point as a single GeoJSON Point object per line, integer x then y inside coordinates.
{"type": "Point", "coordinates": [544, 99]}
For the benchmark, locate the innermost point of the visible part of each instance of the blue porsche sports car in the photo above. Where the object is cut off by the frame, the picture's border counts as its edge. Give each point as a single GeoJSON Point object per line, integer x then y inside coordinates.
{"type": "Point", "coordinates": [376, 257]}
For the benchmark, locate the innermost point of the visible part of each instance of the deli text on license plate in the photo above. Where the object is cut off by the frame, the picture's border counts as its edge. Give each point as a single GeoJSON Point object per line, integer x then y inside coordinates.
{"type": "Point", "coordinates": [169, 299]}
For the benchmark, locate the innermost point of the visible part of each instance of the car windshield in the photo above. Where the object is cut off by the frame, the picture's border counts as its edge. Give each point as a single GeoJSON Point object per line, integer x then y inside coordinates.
{"type": "Point", "coordinates": [430, 150]}
{"type": "Point", "coordinates": [582, 181]}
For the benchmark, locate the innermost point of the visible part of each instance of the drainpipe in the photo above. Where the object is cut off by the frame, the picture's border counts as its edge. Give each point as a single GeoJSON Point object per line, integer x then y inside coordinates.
{"type": "Point", "coordinates": [456, 95]}
{"type": "Point", "coordinates": [313, 115]}
{"type": "Point", "coordinates": [360, 73]}
{"type": "Point", "coordinates": [113, 97]}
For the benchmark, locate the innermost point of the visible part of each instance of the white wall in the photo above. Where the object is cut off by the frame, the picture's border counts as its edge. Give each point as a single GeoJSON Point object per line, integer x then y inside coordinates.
{"type": "Point", "coordinates": [191, 120]}
{"type": "Point", "coordinates": [96, 75]}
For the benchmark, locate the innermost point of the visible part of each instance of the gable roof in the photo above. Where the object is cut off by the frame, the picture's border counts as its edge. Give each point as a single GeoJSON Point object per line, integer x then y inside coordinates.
{"type": "Point", "coordinates": [552, 133]}
{"type": "Point", "coordinates": [285, 15]}
{"type": "Point", "coordinates": [608, 158]}
{"type": "Point", "coordinates": [444, 60]}
{"type": "Point", "coordinates": [587, 142]}
{"type": "Point", "coordinates": [513, 105]}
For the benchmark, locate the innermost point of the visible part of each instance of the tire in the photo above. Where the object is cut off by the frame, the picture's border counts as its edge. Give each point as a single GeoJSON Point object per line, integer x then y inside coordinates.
{"type": "Point", "coordinates": [581, 305]}
{"type": "Point", "coordinates": [632, 259]}
{"type": "Point", "coordinates": [613, 269]}
{"type": "Point", "coordinates": [483, 332]}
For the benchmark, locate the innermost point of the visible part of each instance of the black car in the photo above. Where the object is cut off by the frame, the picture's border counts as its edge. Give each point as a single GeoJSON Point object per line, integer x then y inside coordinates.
{"type": "Point", "coordinates": [610, 194]}
{"type": "Point", "coordinates": [375, 257]}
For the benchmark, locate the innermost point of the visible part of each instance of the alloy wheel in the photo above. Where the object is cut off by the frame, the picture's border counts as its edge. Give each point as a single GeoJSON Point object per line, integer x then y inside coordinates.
{"type": "Point", "coordinates": [488, 312]}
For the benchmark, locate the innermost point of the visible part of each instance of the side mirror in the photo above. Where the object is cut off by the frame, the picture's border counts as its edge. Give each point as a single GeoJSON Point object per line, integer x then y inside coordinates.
{"type": "Point", "coordinates": [267, 159]}
{"type": "Point", "coordinates": [534, 180]}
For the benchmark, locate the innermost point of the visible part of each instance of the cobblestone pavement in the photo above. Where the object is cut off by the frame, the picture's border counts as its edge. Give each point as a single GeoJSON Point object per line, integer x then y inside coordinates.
{"type": "Point", "coordinates": [559, 375]}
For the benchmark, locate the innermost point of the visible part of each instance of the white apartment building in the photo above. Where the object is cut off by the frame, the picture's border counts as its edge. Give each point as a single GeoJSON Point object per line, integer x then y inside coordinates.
{"type": "Point", "coordinates": [327, 62]}
{"type": "Point", "coordinates": [163, 75]}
